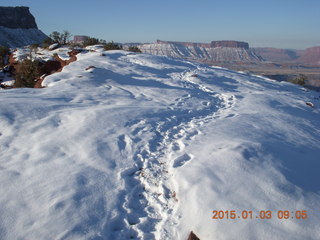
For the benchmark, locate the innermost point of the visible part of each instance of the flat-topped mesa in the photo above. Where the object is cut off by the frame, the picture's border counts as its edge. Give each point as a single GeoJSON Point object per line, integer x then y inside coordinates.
{"type": "Point", "coordinates": [232, 44]}
{"type": "Point", "coordinates": [17, 17]}
{"type": "Point", "coordinates": [213, 44]}
{"type": "Point", "coordinates": [214, 52]}
{"type": "Point", "coordinates": [186, 44]}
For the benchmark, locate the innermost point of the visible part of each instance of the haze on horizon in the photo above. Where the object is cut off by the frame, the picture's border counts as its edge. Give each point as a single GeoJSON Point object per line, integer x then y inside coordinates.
{"type": "Point", "coordinates": [281, 24]}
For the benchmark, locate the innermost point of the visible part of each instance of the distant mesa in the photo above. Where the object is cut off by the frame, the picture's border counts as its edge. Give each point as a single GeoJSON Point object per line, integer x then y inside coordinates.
{"type": "Point", "coordinates": [310, 56]}
{"type": "Point", "coordinates": [213, 44]}
{"type": "Point", "coordinates": [18, 27]}
{"type": "Point", "coordinates": [231, 44]}
{"type": "Point", "coordinates": [215, 51]}
{"type": "Point", "coordinates": [231, 52]}
{"type": "Point", "coordinates": [80, 38]}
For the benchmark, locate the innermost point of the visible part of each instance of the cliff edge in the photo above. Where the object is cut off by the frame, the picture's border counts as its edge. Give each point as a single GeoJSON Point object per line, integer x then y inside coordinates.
{"type": "Point", "coordinates": [18, 27]}
{"type": "Point", "coordinates": [17, 17]}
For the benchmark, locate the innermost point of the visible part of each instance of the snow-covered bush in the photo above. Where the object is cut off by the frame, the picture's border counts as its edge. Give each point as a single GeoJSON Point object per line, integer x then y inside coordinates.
{"type": "Point", "coordinates": [134, 49]}
{"type": "Point", "coordinates": [301, 80]}
{"type": "Point", "coordinates": [112, 46]}
{"type": "Point", "coordinates": [92, 41]}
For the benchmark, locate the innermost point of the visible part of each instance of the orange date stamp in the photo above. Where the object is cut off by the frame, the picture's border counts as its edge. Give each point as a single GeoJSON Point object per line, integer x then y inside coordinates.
{"type": "Point", "coordinates": [262, 214]}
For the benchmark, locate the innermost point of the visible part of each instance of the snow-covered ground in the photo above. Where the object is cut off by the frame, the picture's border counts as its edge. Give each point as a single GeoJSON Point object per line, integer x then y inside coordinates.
{"type": "Point", "coordinates": [41, 54]}
{"type": "Point", "coordinates": [133, 146]}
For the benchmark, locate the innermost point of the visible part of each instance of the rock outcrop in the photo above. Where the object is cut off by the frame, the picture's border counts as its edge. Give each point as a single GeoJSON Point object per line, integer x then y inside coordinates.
{"type": "Point", "coordinates": [18, 27]}
{"type": "Point", "coordinates": [17, 17]}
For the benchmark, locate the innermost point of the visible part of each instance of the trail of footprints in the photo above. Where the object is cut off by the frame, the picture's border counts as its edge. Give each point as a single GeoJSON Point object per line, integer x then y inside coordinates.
{"type": "Point", "coordinates": [148, 200]}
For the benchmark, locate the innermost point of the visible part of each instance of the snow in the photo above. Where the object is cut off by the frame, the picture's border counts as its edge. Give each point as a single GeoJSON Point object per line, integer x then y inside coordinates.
{"type": "Point", "coordinates": [41, 54]}
{"type": "Point", "coordinates": [6, 79]}
{"type": "Point", "coordinates": [20, 37]}
{"type": "Point", "coordinates": [53, 46]}
{"type": "Point", "coordinates": [122, 145]}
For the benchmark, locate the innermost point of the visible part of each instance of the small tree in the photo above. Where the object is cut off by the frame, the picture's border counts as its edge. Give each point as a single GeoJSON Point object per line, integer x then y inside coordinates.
{"type": "Point", "coordinates": [112, 46]}
{"type": "Point", "coordinates": [61, 38]}
{"type": "Point", "coordinates": [134, 49]}
{"type": "Point", "coordinates": [65, 37]}
{"type": "Point", "coordinates": [300, 80]}
{"type": "Point", "coordinates": [55, 37]}
{"type": "Point", "coordinates": [26, 73]}
{"type": "Point", "coordinates": [47, 42]}
{"type": "Point", "coordinates": [93, 41]}
{"type": "Point", "coordinates": [90, 41]}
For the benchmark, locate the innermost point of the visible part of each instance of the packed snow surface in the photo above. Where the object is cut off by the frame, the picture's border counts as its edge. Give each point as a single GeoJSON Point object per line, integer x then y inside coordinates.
{"type": "Point", "coordinates": [133, 146]}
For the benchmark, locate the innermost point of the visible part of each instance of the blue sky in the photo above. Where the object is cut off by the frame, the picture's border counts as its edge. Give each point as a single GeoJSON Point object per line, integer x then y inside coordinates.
{"type": "Point", "coordinates": [272, 23]}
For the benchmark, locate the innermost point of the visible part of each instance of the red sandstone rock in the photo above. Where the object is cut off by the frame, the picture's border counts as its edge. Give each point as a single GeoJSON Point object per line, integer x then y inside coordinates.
{"type": "Point", "coordinates": [192, 236]}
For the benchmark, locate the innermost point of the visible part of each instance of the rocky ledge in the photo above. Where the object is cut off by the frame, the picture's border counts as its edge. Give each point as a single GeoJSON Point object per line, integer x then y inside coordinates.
{"type": "Point", "coordinates": [17, 17]}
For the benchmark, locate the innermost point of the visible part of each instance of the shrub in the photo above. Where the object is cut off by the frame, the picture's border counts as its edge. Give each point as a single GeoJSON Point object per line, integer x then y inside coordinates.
{"type": "Point", "coordinates": [301, 80]}
{"type": "Point", "coordinates": [90, 41]}
{"type": "Point", "coordinates": [34, 46]}
{"type": "Point", "coordinates": [61, 38]}
{"type": "Point", "coordinates": [4, 51]}
{"type": "Point", "coordinates": [93, 41]}
{"type": "Point", "coordinates": [134, 49]}
{"type": "Point", "coordinates": [112, 46]}
{"type": "Point", "coordinates": [26, 73]}
{"type": "Point", "coordinates": [47, 42]}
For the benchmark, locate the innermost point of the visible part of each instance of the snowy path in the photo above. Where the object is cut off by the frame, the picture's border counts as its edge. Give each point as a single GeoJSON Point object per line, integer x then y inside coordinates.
{"type": "Point", "coordinates": [145, 147]}
{"type": "Point", "coordinates": [149, 207]}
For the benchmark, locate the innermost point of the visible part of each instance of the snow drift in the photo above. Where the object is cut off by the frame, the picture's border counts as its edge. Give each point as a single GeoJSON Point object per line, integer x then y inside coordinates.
{"type": "Point", "coordinates": [132, 146]}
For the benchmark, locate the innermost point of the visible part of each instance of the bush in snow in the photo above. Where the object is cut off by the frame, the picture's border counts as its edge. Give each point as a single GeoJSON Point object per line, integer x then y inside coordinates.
{"type": "Point", "coordinates": [47, 42]}
{"type": "Point", "coordinates": [301, 80]}
{"type": "Point", "coordinates": [4, 51]}
{"type": "Point", "coordinates": [112, 46]}
{"type": "Point", "coordinates": [93, 41]}
{"type": "Point", "coordinates": [26, 73]}
{"type": "Point", "coordinates": [61, 38]}
{"type": "Point", "coordinates": [134, 49]}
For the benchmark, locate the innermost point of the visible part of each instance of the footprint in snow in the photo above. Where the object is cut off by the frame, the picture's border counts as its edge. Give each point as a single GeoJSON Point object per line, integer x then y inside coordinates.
{"type": "Point", "coordinates": [122, 142]}
{"type": "Point", "coordinates": [231, 115]}
{"type": "Point", "coordinates": [205, 103]}
{"type": "Point", "coordinates": [180, 161]}
{"type": "Point", "coordinates": [178, 146]}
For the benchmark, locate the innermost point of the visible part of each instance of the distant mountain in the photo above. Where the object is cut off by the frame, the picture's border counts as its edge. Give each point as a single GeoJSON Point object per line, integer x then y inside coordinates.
{"type": "Point", "coordinates": [277, 54]}
{"type": "Point", "coordinates": [310, 56]}
{"type": "Point", "coordinates": [216, 51]}
{"type": "Point", "coordinates": [18, 27]}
